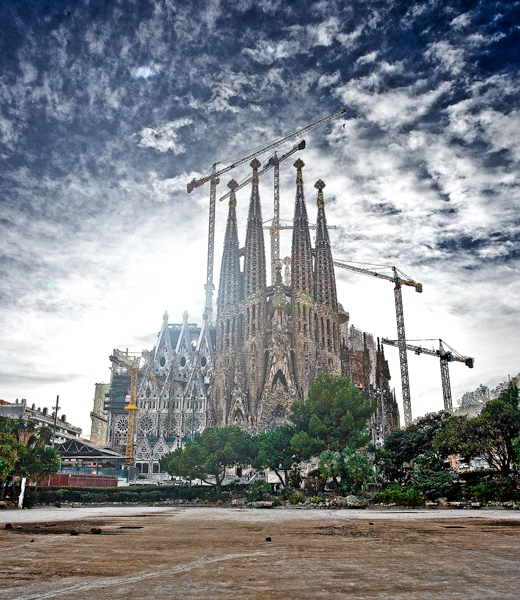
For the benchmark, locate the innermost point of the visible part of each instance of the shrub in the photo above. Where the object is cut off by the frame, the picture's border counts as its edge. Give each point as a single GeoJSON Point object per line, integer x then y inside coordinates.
{"type": "Point", "coordinates": [257, 489]}
{"type": "Point", "coordinates": [276, 501]}
{"type": "Point", "coordinates": [315, 481]}
{"type": "Point", "coordinates": [493, 491]}
{"type": "Point", "coordinates": [402, 496]}
{"type": "Point", "coordinates": [297, 497]}
{"type": "Point", "coordinates": [434, 484]}
{"type": "Point", "coordinates": [318, 499]}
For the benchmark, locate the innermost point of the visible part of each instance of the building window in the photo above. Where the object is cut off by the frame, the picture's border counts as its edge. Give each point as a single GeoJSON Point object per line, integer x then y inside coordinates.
{"type": "Point", "coordinates": [155, 467]}
{"type": "Point", "coordinates": [145, 468]}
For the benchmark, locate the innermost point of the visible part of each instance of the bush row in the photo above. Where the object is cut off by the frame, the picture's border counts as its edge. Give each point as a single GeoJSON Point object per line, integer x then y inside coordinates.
{"type": "Point", "coordinates": [51, 495]}
{"type": "Point", "coordinates": [483, 492]}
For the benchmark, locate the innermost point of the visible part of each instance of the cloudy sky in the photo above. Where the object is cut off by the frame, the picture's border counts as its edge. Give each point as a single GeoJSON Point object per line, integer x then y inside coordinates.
{"type": "Point", "coordinates": [109, 107]}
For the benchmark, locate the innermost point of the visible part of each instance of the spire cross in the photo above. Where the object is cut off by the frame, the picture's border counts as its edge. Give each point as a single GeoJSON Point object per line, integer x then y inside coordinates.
{"type": "Point", "coordinates": [232, 185]}
{"type": "Point", "coordinates": [299, 164]}
{"type": "Point", "coordinates": [319, 185]}
{"type": "Point", "coordinates": [255, 163]}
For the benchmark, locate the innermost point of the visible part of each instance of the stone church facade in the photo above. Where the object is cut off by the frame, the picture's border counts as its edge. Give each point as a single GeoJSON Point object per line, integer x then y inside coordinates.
{"type": "Point", "coordinates": [272, 341]}
{"type": "Point", "coordinates": [267, 346]}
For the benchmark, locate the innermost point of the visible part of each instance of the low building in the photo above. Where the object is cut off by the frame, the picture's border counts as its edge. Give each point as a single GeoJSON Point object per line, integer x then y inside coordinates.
{"type": "Point", "coordinates": [42, 416]}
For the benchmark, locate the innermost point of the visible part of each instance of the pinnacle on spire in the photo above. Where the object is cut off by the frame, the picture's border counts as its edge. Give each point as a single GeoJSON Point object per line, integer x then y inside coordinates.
{"type": "Point", "coordinates": [229, 288]}
{"type": "Point", "coordinates": [254, 258]}
{"type": "Point", "coordinates": [255, 164]}
{"type": "Point", "coordinates": [324, 276]}
{"type": "Point", "coordinates": [232, 185]}
{"type": "Point", "coordinates": [301, 263]}
{"type": "Point", "coordinates": [319, 185]}
{"type": "Point", "coordinates": [322, 232]}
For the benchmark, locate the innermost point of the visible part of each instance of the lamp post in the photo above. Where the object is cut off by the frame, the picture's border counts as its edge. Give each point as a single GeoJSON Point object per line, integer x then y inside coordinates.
{"type": "Point", "coordinates": [56, 409]}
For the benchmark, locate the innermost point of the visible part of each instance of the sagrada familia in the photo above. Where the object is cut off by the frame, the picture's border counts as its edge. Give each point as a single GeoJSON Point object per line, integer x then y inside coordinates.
{"type": "Point", "coordinates": [268, 344]}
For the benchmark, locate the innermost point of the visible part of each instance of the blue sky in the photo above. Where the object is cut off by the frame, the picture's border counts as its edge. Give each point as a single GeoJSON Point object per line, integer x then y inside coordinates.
{"type": "Point", "coordinates": [108, 108]}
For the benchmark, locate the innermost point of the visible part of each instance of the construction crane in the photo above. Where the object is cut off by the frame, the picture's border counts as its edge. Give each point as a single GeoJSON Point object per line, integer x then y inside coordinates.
{"type": "Point", "coordinates": [132, 365]}
{"type": "Point", "coordinates": [446, 356]}
{"type": "Point", "coordinates": [399, 279]}
{"type": "Point", "coordinates": [275, 229]}
{"type": "Point", "coordinates": [213, 179]}
{"type": "Point", "coordinates": [273, 162]}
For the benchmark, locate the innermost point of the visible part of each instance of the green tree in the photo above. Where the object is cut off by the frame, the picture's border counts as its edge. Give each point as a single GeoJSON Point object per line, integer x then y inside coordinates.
{"type": "Point", "coordinates": [209, 454]}
{"type": "Point", "coordinates": [9, 449]}
{"type": "Point", "coordinates": [403, 446]}
{"type": "Point", "coordinates": [271, 449]}
{"type": "Point", "coordinates": [333, 417]}
{"type": "Point", "coordinates": [23, 452]}
{"type": "Point", "coordinates": [490, 436]}
{"type": "Point", "coordinates": [348, 470]}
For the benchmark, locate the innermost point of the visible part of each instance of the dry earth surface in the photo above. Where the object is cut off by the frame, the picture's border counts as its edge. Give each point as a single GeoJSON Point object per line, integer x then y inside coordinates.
{"type": "Point", "coordinates": [203, 552]}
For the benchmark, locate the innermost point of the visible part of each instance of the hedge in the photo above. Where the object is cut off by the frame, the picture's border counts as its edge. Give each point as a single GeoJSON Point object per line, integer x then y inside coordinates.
{"type": "Point", "coordinates": [137, 494]}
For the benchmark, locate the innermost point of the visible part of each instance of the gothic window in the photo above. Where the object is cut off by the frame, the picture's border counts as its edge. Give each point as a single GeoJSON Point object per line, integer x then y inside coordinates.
{"type": "Point", "coordinates": [155, 467]}
{"type": "Point", "coordinates": [305, 329]}
{"type": "Point", "coordinates": [304, 311]}
{"type": "Point", "coordinates": [253, 329]}
{"type": "Point", "coordinates": [145, 468]}
{"type": "Point", "coordinates": [148, 392]}
{"type": "Point", "coordinates": [254, 311]}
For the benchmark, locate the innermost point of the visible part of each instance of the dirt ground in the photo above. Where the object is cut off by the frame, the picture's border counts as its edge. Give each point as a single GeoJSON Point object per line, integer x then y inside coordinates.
{"type": "Point", "coordinates": [203, 553]}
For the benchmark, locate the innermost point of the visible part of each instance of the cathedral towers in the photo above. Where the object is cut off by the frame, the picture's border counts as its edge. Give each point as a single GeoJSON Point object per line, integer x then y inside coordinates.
{"type": "Point", "coordinates": [272, 341]}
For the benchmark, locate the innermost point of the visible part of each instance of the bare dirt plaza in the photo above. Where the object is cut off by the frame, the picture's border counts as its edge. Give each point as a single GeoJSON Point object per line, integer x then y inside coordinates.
{"type": "Point", "coordinates": [199, 552]}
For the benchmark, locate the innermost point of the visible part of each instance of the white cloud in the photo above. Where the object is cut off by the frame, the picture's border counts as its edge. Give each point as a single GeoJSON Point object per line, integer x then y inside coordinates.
{"type": "Point", "coordinates": [461, 21]}
{"type": "Point", "coordinates": [448, 57]}
{"type": "Point", "coordinates": [328, 80]}
{"type": "Point", "coordinates": [147, 71]}
{"type": "Point", "coordinates": [367, 58]}
{"type": "Point", "coordinates": [164, 138]}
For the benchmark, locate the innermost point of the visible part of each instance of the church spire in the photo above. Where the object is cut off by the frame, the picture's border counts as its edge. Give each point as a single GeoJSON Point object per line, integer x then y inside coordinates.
{"type": "Point", "coordinates": [324, 274]}
{"type": "Point", "coordinates": [301, 262]}
{"type": "Point", "coordinates": [229, 287]}
{"type": "Point", "coordinates": [254, 259]}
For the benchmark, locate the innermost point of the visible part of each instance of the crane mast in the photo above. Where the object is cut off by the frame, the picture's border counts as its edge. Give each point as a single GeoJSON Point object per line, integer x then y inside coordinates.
{"type": "Point", "coordinates": [399, 279]}
{"type": "Point", "coordinates": [445, 356]}
{"type": "Point", "coordinates": [273, 163]}
{"type": "Point", "coordinates": [131, 364]}
{"type": "Point", "coordinates": [275, 239]}
{"type": "Point", "coordinates": [213, 179]}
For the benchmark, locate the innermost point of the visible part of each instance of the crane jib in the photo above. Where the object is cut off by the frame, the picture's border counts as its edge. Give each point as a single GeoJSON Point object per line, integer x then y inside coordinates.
{"type": "Point", "coordinates": [195, 184]}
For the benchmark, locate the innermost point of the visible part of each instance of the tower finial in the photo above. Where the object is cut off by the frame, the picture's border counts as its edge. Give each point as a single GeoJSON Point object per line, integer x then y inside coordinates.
{"type": "Point", "coordinates": [255, 163]}
{"type": "Point", "coordinates": [299, 164]}
{"type": "Point", "coordinates": [319, 185]}
{"type": "Point", "coordinates": [232, 185]}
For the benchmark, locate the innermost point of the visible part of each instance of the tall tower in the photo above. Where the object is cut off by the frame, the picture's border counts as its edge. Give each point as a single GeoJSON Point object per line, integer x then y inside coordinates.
{"type": "Point", "coordinates": [229, 319]}
{"type": "Point", "coordinates": [254, 305]}
{"type": "Point", "coordinates": [302, 287]}
{"type": "Point", "coordinates": [327, 333]}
